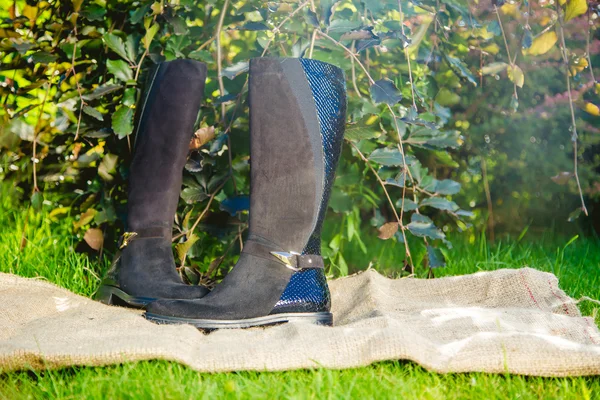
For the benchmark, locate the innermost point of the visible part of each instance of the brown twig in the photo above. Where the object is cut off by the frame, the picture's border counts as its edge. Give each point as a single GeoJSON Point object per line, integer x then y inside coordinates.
{"type": "Point", "coordinates": [574, 136]}
{"type": "Point", "coordinates": [387, 195]}
{"type": "Point", "coordinates": [488, 197]}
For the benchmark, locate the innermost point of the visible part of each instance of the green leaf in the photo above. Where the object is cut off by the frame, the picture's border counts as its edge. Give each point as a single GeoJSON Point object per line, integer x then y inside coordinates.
{"type": "Point", "coordinates": [562, 178]}
{"type": "Point", "coordinates": [575, 8]}
{"type": "Point", "coordinates": [183, 248]}
{"type": "Point", "coordinates": [122, 121]}
{"type": "Point", "coordinates": [575, 214]}
{"type": "Point", "coordinates": [149, 36]}
{"type": "Point", "coordinates": [343, 26]}
{"type": "Point", "coordinates": [385, 91]}
{"type": "Point", "coordinates": [494, 68]}
{"type": "Point", "coordinates": [461, 69]}
{"type": "Point", "coordinates": [516, 75]}
{"type": "Point", "coordinates": [436, 257]}
{"type": "Point", "coordinates": [409, 205]}
{"type": "Point", "coordinates": [37, 199]}
{"type": "Point", "coordinates": [253, 26]}
{"type": "Point", "coordinates": [193, 195]}
{"type": "Point", "coordinates": [422, 226]}
{"type": "Point", "coordinates": [92, 112]}
{"type": "Point", "coordinates": [43, 57]}
{"type": "Point", "coordinates": [440, 203]}
{"type": "Point", "coordinates": [311, 18]}
{"type": "Point", "coordinates": [428, 138]}
{"type": "Point", "coordinates": [358, 131]}
{"type": "Point", "coordinates": [94, 12]}
{"type": "Point", "coordinates": [201, 55]}
{"type": "Point", "coordinates": [390, 157]}
{"type": "Point", "coordinates": [178, 24]}
{"type": "Point", "coordinates": [117, 45]}
{"type": "Point", "coordinates": [108, 167]}
{"type": "Point", "coordinates": [447, 97]}
{"type": "Point", "coordinates": [447, 187]}
{"type": "Point", "coordinates": [101, 91]}
{"type": "Point", "coordinates": [340, 201]}
{"type": "Point", "coordinates": [120, 69]}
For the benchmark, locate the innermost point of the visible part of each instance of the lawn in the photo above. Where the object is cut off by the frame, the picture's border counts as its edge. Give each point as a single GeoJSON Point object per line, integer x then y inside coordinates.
{"type": "Point", "coordinates": [48, 252]}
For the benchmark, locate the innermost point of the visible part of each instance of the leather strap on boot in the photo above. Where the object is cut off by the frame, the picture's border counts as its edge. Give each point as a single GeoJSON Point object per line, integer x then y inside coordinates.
{"type": "Point", "coordinates": [290, 259]}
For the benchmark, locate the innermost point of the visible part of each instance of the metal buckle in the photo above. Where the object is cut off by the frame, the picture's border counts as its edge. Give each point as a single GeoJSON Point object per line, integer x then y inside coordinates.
{"type": "Point", "coordinates": [288, 259]}
{"type": "Point", "coordinates": [125, 239]}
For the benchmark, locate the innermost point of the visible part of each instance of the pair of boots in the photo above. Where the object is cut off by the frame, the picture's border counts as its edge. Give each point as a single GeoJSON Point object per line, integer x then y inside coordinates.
{"type": "Point", "coordinates": [297, 119]}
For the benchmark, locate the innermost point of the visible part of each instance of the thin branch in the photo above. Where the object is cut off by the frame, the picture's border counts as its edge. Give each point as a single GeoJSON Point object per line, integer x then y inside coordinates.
{"type": "Point", "coordinates": [277, 29]}
{"type": "Point", "coordinates": [407, 56]}
{"type": "Point", "coordinates": [354, 71]}
{"type": "Point", "coordinates": [587, 44]}
{"type": "Point", "coordinates": [314, 33]}
{"type": "Point", "coordinates": [574, 136]}
{"type": "Point", "coordinates": [510, 60]}
{"type": "Point", "coordinates": [387, 195]}
{"type": "Point", "coordinates": [190, 231]}
{"type": "Point", "coordinates": [220, 56]}
{"type": "Point", "coordinates": [36, 132]}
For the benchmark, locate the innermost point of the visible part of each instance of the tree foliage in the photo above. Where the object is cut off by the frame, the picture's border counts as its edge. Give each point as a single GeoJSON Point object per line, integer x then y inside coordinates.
{"type": "Point", "coordinates": [421, 79]}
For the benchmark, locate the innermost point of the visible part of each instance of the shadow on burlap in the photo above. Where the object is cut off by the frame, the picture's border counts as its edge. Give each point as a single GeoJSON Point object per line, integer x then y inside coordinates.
{"type": "Point", "coordinates": [515, 321]}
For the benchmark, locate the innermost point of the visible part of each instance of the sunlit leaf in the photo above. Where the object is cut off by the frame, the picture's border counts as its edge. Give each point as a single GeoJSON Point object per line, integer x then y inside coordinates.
{"type": "Point", "coordinates": [562, 178]}
{"type": "Point", "coordinates": [591, 109]}
{"type": "Point", "coordinates": [94, 238]}
{"type": "Point", "coordinates": [149, 36]}
{"type": "Point", "coordinates": [183, 248]}
{"type": "Point", "coordinates": [116, 44]}
{"type": "Point", "coordinates": [542, 44]}
{"type": "Point", "coordinates": [575, 8]}
{"type": "Point", "coordinates": [516, 75]}
{"type": "Point", "coordinates": [122, 121]}
{"type": "Point", "coordinates": [108, 167]}
{"type": "Point", "coordinates": [120, 69]}
{"type": "Point", "coordinates": [494, 68]}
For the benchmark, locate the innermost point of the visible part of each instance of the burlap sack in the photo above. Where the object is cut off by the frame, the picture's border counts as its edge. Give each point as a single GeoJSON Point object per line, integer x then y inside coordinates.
{"type": "Point", "coordinates": [515, 321]}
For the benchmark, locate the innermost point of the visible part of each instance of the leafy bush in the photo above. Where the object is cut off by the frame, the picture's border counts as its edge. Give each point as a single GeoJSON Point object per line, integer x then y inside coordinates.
{"type": "Point", "coordinates": [72, 73]}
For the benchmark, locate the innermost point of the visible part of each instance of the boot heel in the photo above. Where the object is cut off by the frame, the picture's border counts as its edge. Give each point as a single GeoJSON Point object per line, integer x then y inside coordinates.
{"type": "Point", "coordinates": [113, 296]}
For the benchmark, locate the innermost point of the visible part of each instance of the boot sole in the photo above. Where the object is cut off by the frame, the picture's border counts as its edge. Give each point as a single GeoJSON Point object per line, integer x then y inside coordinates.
{"type": "Point", "coordinates": [113, 296]}
{"type": "Point", "coordinates": [318, 318]}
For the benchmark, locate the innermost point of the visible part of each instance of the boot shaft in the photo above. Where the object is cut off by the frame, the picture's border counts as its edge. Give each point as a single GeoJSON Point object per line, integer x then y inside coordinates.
{"type": "Point", "coordinates": [163, 134]}
{"type": "Point", "coordinates": [297, 118]}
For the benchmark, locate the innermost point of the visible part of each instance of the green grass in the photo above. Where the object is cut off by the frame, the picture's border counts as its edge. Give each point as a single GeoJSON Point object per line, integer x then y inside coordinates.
{"type": "Point", "coordinates": [48, 252]}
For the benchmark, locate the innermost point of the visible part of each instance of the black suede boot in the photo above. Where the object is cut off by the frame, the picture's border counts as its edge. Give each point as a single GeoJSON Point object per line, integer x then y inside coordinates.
{"type": "Point", "coordinates": [297, 119]}
{"type": "Point", "coordinates": [145, 268]}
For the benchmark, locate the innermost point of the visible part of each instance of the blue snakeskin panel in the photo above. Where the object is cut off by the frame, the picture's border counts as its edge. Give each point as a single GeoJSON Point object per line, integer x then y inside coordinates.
{"type": "Point", "coordinates": [308, 290]}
